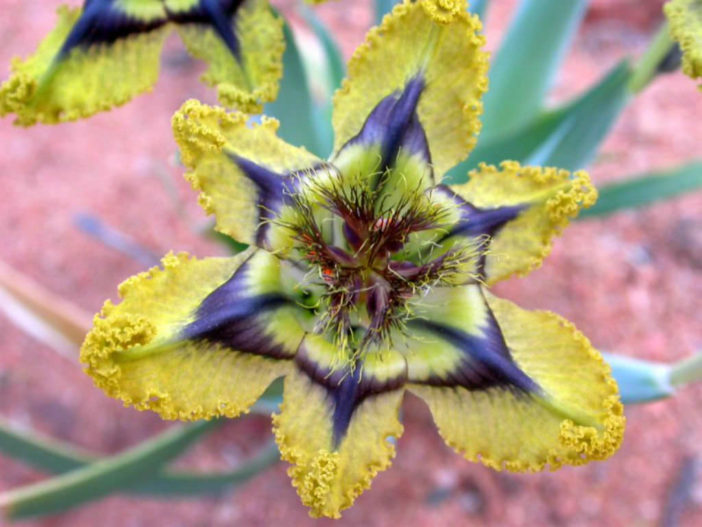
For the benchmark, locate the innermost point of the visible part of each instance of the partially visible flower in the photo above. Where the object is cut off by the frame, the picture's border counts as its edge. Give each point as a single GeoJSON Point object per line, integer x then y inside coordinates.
{"type": "Point", "coordinates": [685, 19]}
{"type": "Point", "coordinates": [368, 277]}
{"type": "Point", "coordinates": [106, 53]}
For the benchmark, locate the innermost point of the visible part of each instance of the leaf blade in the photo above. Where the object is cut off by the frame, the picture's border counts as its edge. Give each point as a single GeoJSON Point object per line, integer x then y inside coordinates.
{"type": "Point", "coordinates": [295, 100]}
{"type": "Point", "coordinates": [103, 477]}
{"type": "Point", "coordinates": [646, 189]}
{"type": "Point", "coordinates": [529, 57]}
{"type": "Point", "coordinates": [382, 8]}
{"type": "Point", "coordinates": [640, 381]}
{"type": "Point", "coordinates": [567, 137]}
{"type": "Point", "coordinates": [334, 58]}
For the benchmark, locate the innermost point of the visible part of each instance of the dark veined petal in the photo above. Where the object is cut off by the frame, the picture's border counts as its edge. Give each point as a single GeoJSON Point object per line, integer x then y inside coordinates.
{"type": "Point", "coordinates": [472, 351]}
{"type": "Point", "coordinates": [391, 138]}
{"type": "Point", "coordinates": [685, 18]}
{"type": "Point", "coordinates": [513, 389]}
{"type": "Point", "coordinates": [107, 53]}
{"type": "Point", "coordinates": [197, 338]}
{"type": "Point", "coordinates": [244, 173]}
{"type": "Point", "coordinates": [241, 40]}
{"type": "Point", "coordinates": [522, 209]}
{"type": "Point", "coordinates": [94, 59]}
{"type": "Point", "coordinates": [414, 86]}
{"type": "Point", "coordinates": [335, 423]}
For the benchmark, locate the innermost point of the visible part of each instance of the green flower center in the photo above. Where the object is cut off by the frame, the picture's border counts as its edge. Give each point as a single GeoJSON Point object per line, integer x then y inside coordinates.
{"type": "Point", "coordinates": [371, 249]}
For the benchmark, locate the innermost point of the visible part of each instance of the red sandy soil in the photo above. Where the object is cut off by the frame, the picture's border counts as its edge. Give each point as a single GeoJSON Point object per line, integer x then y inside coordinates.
{"type": "Point", "coordinates": [631, 282]}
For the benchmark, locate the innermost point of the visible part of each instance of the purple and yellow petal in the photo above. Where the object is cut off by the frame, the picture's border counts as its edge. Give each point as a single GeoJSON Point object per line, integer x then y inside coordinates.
{"type": "Point", "coordinates": [521, 209]}
{"type": "Point", "coordinates": [196, 338]}
{"type": "Point", "coordinates": [242, 42]}
{"type": "Point", "coordinates": [92, 61]}
{"type": "Point", "coordinates": [244, 172]}
{"type": "Point", "coordinates": [105, 54]}
{"type": "Point", "coordinates": [335, 423]}
{"type": "Point", "coordinates": [685, 19]}
{"type": "Point", "coordinates": [455, 340]}
{"type": "Point", "coordinates": [428, 95]}
{"type": "Point", "coordinates": [562, 408]}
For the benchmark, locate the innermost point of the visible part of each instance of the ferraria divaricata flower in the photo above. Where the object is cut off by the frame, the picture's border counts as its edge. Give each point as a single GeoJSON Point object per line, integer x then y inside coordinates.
{"type": "Point", "coordinates": [106, 53]}
{"type": "Point", "coordinates": [366, 278]}
{"type": "Point", "coordinates": [685, 19]}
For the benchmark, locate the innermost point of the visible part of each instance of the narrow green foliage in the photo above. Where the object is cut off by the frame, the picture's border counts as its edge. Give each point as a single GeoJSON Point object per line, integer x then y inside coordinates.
{"type": "Point", "coordinates": [478, 7]}
{"type": "Point", "coordinates": [42, 454]}
{"type": "Point", "coordinates": [335, 61]}
{"type": "Point", "coordinates": [687, 371]}
{"type": "Point", "coordinates": [648, 66]}
{"type": "Point", "coordinates": [640, 381]}
{"type": "Point", "coordinates": [643, 190]}
{"type": "Point", "coordinates": [527, 62]}
{"type": "Point", "coordinates": [294, 107]}
{"type": "Point", "coordinates": [333, 71]}
{"type": "Point", "coordinates": [567, 137]}
{"type": "Point", "coordinates": [55, 457]}
{"type": "Point", "coordinates": [584, 124]}
{"type": "Point", "coordinates": [382, 8]}
{"type": "Point", "coordinates": [189, 484]}
{"type": "Point", "coordinates": [103, 477]}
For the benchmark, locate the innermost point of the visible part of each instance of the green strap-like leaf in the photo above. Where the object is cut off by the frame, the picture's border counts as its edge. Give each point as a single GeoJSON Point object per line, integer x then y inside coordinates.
{"type": "Point", "coordinates": [172, 483]}
{"type": "Point", "coordinates": [58, 458]}
{"type": "Point", "coordinates": [334, 72]}
{"type": "Point", "coordinates": [648, 66]}
{"type": "Point", "coordinates": [294, 105]}
{"type": "Point", "coordinates": [382, 8]}
{"type": "Point", "coordinates": [478, 7]}
{"type": "Point", "coordinates": [584, 125]}
{"type": "Point", "coordinates": [335, 60]}
{"type": "Point", "coordinates": [567, 137]}
{"type": "Point", "coordinates": [642, 190]}
{"type": "Point", "coordinates": [526, 63]}
{"type": "Point", "coordinates": [47, 455]}
{"type": "Point", "coordinates": [103, 477]}
{"type": "Point", "coordinates": [640, 381]}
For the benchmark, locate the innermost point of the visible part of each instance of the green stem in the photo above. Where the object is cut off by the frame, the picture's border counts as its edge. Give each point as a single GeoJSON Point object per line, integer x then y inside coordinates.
{"type": "Point", "coordinates": [102, 477]}
{"type": "Point", "coordinates": [647, 67]}
{"type": "Point", "coordinates": [57, 458]}
{"type": "Point", "coordinates": [687, 371]}
{"type": "Point", "coordinates": [186, 483]}
{"type": "Point", "coordinates": [45, 454]}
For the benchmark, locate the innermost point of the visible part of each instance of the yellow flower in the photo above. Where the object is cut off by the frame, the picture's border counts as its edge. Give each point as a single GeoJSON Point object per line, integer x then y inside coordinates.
{"type": "Point", "coordinates": [685, 18]}
{"type": "Point", "coordinates": [106, 53]}
{"type": "Point", "coordinates": [367, 277]}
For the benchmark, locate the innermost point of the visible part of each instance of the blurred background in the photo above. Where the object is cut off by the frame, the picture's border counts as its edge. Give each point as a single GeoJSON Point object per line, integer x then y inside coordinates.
{"type": "Point", "coordinates": [629, 281]}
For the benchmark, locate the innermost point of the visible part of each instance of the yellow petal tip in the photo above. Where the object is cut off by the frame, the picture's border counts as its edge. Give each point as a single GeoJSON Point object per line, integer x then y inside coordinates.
{"type": "Point", "coordinates": [444, 11]}
{"type": "Point", "coordinates": [590, 443]}
{"type": "Point", "coordinates": [685, 19]}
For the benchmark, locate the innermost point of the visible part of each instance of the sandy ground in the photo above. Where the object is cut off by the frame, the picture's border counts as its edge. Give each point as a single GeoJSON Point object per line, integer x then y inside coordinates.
{"type": "Point", "coordinates": [630, 282]}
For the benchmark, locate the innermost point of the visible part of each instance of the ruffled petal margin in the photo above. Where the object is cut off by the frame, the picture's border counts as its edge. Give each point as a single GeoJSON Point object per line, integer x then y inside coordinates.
{"type": "Point", "coordinates": [544, 200]}
{"type": "Point", "coordinates": [575, 416]}
{"type": "Point", "coordinates": [239, 169]}
{"type": "Point", "coordinates": [161, 348]}
{"type": "Point", "coordinates": [251, 79]}
{"type": "Point", "coordinates": [335, 426]}
{"type": "Point", "coordinates": [105, 54]}
{"type": "Point", "coordinates": [49, 88]}
{"type": "Point", "coordinates": [685, 18]}
{"type": "Point", "coordinates": [432, 43]}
